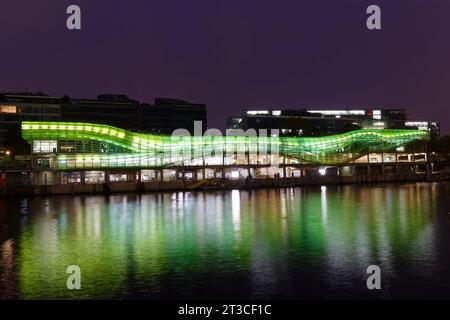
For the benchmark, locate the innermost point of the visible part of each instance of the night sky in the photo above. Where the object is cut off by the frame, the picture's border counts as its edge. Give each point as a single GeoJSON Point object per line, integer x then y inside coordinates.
{"type": "Point", "coordinates": [234, 54]}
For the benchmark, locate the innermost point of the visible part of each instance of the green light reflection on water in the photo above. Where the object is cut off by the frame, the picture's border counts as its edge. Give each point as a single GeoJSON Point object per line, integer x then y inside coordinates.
{"type": "Point", "coordinates": [152, 244]}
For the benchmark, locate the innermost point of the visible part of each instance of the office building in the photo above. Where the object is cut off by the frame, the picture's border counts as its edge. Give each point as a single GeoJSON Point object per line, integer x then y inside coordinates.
{"type": "Point", "coordinates": [321, 122]}
{"type": "Point", "coordinates": [163, 117]}
{"type": "Point", "coordinates": [167, 115]}
{"type": "Point", "coordinates": [65, 152]}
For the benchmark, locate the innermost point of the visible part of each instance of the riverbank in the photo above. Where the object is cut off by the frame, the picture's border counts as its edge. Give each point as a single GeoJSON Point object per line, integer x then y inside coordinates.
{"type": "Point", "coordinates": [213, 184]}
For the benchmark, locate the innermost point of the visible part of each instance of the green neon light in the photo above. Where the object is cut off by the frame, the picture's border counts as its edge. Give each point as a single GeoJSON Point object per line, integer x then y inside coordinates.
{"type": "Point", "coordinates": [144, 150]}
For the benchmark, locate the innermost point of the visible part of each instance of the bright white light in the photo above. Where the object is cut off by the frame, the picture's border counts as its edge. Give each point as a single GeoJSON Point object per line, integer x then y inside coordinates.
{"type": "Point", "coordinates": [322, 171]}
{"type": "Point", "coordinates": [235, 174]}
{"type": "Point", "coordinates": [276, 112]}
{"type": "Point", "coordinates": [323, 188]}
{"type": "Point", "coordinates": [236, 209]}
{"type": "Point", "coordinates": [338, 112]}
{"type": "Point", "coordinates": [257, 112]}
{"type": "Point", "coordinates": [416, 124]}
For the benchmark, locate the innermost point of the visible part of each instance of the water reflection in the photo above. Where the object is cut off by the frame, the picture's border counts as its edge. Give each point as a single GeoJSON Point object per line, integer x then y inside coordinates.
{"type": "Point", "coordinates": [286, 243]}
{"type": "Point", "coordinates": [236, 210]}
{"type": "Point", "coordinates": [324, 204]}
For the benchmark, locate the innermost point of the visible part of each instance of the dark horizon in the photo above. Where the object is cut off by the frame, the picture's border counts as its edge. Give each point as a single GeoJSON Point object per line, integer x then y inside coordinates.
{"type": "Point", "coordinates": [233, 55]}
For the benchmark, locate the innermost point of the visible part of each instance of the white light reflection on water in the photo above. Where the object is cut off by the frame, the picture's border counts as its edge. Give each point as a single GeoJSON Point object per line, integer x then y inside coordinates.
{"type": "Point", "coordinates": [236, 210]}
{"type": "Point", "coordinates": [323, 190]}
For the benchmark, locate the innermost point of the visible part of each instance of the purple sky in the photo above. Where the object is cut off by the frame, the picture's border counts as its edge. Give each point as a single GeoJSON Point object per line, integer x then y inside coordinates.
{"type": "Point", "coordinates": [232, 54]}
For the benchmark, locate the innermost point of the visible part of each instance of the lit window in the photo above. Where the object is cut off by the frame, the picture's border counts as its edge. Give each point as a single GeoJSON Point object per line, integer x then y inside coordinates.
{"type": "Point", "coordinates": [257, 112]}
{"type": "Point", "coordinates": [338, 112]}
{"type": "Point", "coordinates": [8, 109]}
{"type": "Point", "coordinates": [416, 124]}
{"type": "Point", "coordinates": [45, 146]}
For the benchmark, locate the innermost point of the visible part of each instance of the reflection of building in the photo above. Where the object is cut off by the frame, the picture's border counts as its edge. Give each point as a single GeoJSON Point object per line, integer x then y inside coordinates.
{"type": "Point", "coordinates": [319, 122]}
{"type": "Point", "coordinates": [98, 153]}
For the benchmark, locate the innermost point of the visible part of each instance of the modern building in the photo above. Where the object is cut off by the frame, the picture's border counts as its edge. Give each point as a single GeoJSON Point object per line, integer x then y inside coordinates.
{"type": "Point", "coordinates": [18, 107]}
{"type": "Point", "coordinates": [115, 110]}
{"type": "Point", "coordinates": [321, 122]}
{"type": "Point", "coordinates": [67, 152]}
{"type": "Point", "coordinates": [167, 115]}
{"type": "Point", "coordinates": [115, 139]}
{"type": "Point", "coordinates": [163, 117]}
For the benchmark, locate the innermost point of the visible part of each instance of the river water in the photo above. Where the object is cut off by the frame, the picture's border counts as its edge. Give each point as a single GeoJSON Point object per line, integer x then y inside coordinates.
{"type": "Point", "coordinates": [292, 243]}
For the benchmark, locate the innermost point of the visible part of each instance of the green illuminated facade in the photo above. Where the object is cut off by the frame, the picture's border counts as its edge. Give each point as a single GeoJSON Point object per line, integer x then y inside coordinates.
{"type": "Point", "coordinates": [80, 146]}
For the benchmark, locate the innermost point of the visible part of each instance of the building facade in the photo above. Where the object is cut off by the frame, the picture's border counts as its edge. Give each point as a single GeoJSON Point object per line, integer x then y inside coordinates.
{"type": "Point", "coordinates": [67, 152]}
{"type": "Point", "coordinates": [163, 117]}
{"type": "Point", "coordinates": [321, 122]}
{"type": "Point", "coordinates": [115, 110]}
{"type": "Point", "coordinates": [167, 115]}
{"type": "Point", "coordinates": [18, 107]}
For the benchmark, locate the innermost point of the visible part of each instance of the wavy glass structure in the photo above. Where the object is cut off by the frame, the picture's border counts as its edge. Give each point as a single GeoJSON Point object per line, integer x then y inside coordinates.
{"type": "Point", "coordinates": [95, 146]}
